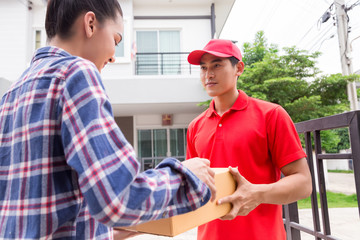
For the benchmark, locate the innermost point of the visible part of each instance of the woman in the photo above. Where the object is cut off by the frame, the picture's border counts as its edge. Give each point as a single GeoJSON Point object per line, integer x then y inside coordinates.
{"type": "Point", "coordinates": [66, 170]}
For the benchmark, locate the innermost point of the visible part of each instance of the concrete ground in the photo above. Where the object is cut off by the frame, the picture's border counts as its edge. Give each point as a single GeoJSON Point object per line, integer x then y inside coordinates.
{"type": "Point", "coordinates": [345, 222]}
{"type": "Point", "coordinates": [340, 183]}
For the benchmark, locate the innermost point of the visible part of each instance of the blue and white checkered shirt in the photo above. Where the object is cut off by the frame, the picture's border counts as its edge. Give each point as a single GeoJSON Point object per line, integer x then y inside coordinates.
{"type": "Point", "coordinates": [66, 170]}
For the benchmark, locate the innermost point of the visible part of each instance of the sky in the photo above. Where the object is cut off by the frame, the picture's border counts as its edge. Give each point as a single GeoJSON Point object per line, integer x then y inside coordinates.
{"type": "Point", "coordinates": [295, 23]}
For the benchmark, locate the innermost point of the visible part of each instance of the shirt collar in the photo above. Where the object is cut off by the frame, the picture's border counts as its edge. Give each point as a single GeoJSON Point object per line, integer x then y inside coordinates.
{"type": "Point", "coordinates": [240, 104]}
{"type": "Point", "coordinates": [49, 51]}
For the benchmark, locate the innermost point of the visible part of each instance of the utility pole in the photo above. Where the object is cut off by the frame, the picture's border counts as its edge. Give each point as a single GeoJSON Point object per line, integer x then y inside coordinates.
{"type": "Point", "coordinates": [345, 51]}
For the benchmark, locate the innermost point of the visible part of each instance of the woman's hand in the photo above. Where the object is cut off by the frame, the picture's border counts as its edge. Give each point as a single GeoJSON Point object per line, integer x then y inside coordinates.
{"type": "Point", "coordinates": [201, 168]}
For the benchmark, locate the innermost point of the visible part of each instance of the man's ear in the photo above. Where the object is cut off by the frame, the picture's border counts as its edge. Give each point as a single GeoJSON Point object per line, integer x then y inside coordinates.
{"type": "Point", "coordinates": [89, 23]}
{"type": "Point", "coordinates": [240, 68]}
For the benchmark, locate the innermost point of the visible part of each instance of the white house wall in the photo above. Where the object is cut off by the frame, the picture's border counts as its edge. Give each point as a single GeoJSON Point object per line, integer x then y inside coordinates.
{"type": "Point", "coordinates": [194, 33]}
{"type": "Point", "coordinates": [222, 10]}
{"type": "Point", "coordinates": [186, 8]}
{"type": "Point", "coordinates": [4, 85]}
{"type": "Point", "coordinates": [133, 94]}
{"type": "Point", "coordinates": [148, 8]}
{"type": "Point", "coordinates": [154, 120]}
{"type": "Point", "coordinates": [38, 23]}
{"type": "Point", "coordinates": [184, 89]}
{"type": "Point", "coordinates": [13, 38]}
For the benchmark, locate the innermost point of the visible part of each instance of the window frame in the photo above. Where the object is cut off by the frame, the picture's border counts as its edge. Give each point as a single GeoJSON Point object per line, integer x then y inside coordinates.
{"type": "Point", "coordinates": [127, 43]}
{"type": "Point", "coordinates": [42, 38]}
{"type": "Point", "coordinates": [158, 46]}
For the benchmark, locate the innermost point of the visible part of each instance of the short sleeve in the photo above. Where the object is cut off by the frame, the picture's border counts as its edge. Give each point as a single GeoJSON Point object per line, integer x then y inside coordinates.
{"type": "Point", "coordinates": [284, 142]}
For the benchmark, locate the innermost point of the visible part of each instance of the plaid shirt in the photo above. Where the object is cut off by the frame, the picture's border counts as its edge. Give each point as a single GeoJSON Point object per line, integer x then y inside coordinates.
{"type": "Point", "coordinates": [66, 170]}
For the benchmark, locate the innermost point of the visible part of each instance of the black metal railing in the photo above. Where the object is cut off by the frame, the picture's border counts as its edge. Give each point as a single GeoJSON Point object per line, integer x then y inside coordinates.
{"type": "Point", "coordinates": [314, 127]}
{"type": "Point", "coordinates": [170, 63]}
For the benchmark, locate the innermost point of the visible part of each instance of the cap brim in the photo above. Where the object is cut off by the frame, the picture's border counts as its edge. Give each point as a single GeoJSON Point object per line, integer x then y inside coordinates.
{"type": "Point", "coordinates": [195, 56]}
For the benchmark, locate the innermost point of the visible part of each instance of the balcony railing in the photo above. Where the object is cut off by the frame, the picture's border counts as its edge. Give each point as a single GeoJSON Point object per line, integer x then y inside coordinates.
{"type": "Point", "coordinates": [171, 63]}
{"type": "Point", "coordinates": [314, 127]}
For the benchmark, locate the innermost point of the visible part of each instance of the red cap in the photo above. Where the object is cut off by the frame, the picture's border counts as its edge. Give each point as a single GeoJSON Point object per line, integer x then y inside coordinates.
{"type": "Point", "coordinates": [216, 47]}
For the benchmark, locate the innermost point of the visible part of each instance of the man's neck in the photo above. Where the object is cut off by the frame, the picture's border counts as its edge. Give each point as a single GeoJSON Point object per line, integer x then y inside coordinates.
{"type": "Point", "coordinates": [224, 102]}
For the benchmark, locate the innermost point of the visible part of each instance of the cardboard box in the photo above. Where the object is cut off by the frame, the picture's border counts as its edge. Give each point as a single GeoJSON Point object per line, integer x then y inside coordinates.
{"type": "Point", "coordinates": [225, 185]}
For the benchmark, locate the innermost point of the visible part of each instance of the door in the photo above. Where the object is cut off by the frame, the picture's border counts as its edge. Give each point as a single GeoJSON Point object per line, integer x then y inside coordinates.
{"type": "Point", "coordinates": [156, 144]}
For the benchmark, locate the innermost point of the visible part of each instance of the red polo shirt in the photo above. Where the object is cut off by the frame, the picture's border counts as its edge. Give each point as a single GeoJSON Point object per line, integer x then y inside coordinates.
{"type": "Point", "coordinates": [259, 138]}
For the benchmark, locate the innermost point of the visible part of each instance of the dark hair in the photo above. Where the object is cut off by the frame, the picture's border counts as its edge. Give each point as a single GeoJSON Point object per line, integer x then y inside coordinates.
{"type": "Point", "coordinates": [233, 60]}
{"type": "Point", "coordinates": [61, 14]}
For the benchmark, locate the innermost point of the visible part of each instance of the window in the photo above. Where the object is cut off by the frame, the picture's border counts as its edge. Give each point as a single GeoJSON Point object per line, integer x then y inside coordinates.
{"type": "Point", "coordinates": [178, 143]}
{"type": "Point", "coordinates": [147, 44]}
{"type": "Point", "coordinates": [156, 144]}
{"type": "Point", "coordinates": [119, 50]}
{"type": "Point", "coordinates": [37, 39]}
{"type": "Point", "coordinates": [158, 52]}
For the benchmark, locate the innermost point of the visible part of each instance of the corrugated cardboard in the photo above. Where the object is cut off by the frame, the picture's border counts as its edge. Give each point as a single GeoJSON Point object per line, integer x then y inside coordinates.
{"type": "Point", "coordinates": [225, 185]}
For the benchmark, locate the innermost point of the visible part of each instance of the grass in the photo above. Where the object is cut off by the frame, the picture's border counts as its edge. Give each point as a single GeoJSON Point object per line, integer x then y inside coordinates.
{"type": "Point", "coordinates": [334, 200]}
{"type": "Point", "coordinates": [341, 171]}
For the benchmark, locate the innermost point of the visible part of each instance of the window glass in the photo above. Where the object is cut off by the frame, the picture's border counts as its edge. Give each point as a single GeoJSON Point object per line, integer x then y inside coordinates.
{"type": "Point", "coordinates": [37, 39]}
{"type": "Point", "coordinates": [119, 49]}
{"type": "Point", "coordinates": [158, 52]}
{"type": "Point", "coordinates": [170, 43]}
{"type": "Point", "coordinates": [177, 143]}
{"type": "Point", "coordinates": [144, 143]}
{"type": "Point", "coordinates": [154, 145]}
{"type": "Point", "coordinates": [147, 42]}
{"type": "Point", "coordinates": [160, 144]}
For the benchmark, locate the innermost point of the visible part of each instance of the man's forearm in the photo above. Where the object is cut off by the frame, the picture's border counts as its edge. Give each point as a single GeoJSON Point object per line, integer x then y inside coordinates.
{"type": "Point", "coordinates": [294, 186]}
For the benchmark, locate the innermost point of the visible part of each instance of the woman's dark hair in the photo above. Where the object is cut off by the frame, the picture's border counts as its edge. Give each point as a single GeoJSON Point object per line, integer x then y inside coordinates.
{"type": "Point", "coordinates": [61, 14]}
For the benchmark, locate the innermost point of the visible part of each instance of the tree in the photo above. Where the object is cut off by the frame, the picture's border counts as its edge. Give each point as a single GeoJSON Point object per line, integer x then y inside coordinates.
{"type": "Point", "coordinates": [292, 80]}
{"type": "Point", "coordinates": [255, 52]}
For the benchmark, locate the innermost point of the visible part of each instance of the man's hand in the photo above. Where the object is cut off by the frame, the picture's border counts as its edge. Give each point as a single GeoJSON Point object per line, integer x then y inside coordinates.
{"type": "Point", "coordinates": [295, 185]}
{"type": "Point", "coordinates": [245, 198]}
{"type": "Point", "coordinates": [201, 168]}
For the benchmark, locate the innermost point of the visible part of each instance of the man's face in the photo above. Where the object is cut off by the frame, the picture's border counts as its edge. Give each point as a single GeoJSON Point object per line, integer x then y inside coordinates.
{"type": "Point", "coordinates": [217, 75]}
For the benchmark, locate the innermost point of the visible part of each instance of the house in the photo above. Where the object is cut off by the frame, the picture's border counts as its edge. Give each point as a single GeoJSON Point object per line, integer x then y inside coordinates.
{"type": "Point", "coordinates": [154, 92]}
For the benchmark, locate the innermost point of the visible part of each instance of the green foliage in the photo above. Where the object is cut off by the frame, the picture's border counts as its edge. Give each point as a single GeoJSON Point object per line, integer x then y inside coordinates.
{"type": "Point", "coordinates": [293, 63]}
{"type": "Point", "coordinates": [292, 80]}
{"type": "Point", "coordinates": [334, 200]}
{"type": "Point", "coordinates": [340, 171]}
{"type": "Point", "coordinates": [255, 52]}
{"type": "Point", "coordinates": [332, 88]}
{"type": "Point", "coordinates": [304, 108]}
{"type": "Point", "coordinates": [285, 90]}
{"type": "Point", "coordinates": [344, 143]}
{"type": "Point", "coordinates": [334, 140]}
{"type": "Point", "coordinates": [330, 140]}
